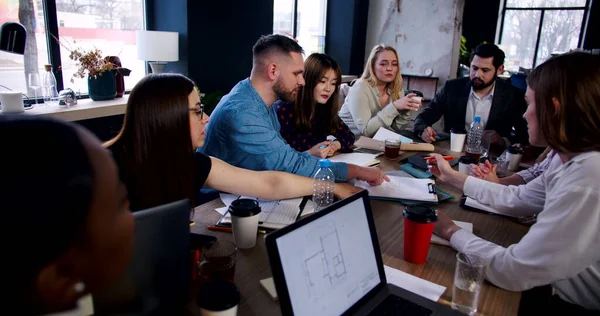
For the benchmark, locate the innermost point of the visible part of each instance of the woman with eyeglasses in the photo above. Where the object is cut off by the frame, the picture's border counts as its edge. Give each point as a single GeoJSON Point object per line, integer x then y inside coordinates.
{"type": "Point", "coordinates": [155, 151]}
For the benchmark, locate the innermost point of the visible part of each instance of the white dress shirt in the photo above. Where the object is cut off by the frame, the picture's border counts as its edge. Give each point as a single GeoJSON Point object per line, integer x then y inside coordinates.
{"type": "Point", "coordinates": [562, 248]}
{"type": "Point", "coordinates": [477, 106]}
{"type": "Point", "coordinates": [532, 173]}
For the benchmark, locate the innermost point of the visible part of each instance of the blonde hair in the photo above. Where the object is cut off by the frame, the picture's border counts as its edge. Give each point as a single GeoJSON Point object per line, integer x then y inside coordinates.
{"type": "Point", "coordinates": [395, 87]}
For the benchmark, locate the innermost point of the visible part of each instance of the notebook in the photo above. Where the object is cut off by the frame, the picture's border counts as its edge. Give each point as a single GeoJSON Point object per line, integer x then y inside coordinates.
{"type": "Point", "coordinates": [435, 239]}
{"type": "Point", "coordinates": [273, 215]}
{"type": "Point", "coordinates": [384, 133]}
{"type": "Point", "coordinates": [471, 204]}
{"type": "Point", "coordinates": [402, 188]}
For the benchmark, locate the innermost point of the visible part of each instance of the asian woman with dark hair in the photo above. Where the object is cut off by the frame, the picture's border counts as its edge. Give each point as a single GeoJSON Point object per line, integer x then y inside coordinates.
{"type": "Point", "coordinates": [307, 122]}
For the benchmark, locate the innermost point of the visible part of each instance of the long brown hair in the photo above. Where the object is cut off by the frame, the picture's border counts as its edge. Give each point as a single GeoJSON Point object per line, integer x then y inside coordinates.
{"type": "Point", "coordinates": [574, 80]}
{"type": "Point", "coordinates": [305, 107]}
{"type": "Point", "coordinates": [395, 87]}
{"type": "Point", "coordinates": [154, 148]}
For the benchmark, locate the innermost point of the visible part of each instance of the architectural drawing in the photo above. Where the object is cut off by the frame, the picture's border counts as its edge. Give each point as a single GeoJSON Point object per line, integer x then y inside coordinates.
{"type": "Point", "coordinates": [326, 266]}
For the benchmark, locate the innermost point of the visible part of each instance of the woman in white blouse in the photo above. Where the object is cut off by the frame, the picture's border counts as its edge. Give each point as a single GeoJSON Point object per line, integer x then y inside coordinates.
{"type": "Point", "coordinates": [561, 249]}
{"type": "Point", "coordinates": [377, 98]}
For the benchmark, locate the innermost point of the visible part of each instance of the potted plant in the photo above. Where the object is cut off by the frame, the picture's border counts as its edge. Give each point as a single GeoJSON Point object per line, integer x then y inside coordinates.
{"type": "Point", "coordinates": [100, 72]}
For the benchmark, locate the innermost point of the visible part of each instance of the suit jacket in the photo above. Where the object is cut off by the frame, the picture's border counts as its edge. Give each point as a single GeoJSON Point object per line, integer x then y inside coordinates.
{"type": "Point", "coordinates": [508, 106]}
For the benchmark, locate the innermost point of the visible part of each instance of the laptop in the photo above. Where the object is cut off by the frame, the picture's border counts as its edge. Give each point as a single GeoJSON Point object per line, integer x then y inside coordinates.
{"type": "Point", "coordinates": [157, 280]}
{"type": "Point", "coordinates": [330, 264]}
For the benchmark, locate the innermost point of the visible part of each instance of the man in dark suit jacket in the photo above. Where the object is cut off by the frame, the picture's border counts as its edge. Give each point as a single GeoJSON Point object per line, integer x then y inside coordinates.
{"type": "Point", "coordinates": [499, 104]}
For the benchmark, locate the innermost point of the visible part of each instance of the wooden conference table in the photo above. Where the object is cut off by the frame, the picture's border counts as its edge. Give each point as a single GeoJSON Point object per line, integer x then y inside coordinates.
{"type": "Point", "coordinates": [253, 266]}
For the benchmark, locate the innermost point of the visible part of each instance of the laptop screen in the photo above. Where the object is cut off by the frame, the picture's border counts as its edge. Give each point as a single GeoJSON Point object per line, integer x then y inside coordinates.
{"type": "Point", "coordinates": [329, 264]}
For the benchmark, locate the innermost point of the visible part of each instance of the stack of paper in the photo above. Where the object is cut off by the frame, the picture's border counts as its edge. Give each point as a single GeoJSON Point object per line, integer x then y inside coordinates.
{"type": "Point", "coordinates": [359, 159]}
{"type": "Point", "coordinates": [273, 214]}
{"type": "Point", "coordinates": [414, 284]}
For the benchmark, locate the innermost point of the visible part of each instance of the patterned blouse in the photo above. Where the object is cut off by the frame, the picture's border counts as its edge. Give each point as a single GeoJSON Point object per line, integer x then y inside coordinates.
{"type": "Point", "coordinates": [305, 141]}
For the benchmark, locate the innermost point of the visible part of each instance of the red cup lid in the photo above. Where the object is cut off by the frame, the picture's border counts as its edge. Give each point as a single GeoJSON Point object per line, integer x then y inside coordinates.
{"type": "Point", "coordinates": [420, 214]}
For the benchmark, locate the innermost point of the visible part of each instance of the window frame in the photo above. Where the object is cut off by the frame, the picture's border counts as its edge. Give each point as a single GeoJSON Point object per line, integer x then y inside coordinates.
{"type": "Point", "coordinates": [543, 10]}
{"type": "Point", "coordinates": [53, 46]}
{"type": "Point", "coordinates": [295, 23]}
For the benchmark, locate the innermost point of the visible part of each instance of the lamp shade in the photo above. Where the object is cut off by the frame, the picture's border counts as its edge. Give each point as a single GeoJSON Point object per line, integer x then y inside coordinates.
{"type": "Point", "coordinates": [157, 45]}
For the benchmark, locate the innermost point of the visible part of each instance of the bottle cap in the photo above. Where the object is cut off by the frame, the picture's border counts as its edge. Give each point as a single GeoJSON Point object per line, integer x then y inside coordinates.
{"type": "Point", "coordinates": [477, 119]}
{"type": "Point", "coordinates": [324, 163]}
{"type": "Point", "coordinates": [48, 67]}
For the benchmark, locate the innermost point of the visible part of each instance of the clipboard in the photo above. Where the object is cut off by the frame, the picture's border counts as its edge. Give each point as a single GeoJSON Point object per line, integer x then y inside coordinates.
{"type": "Point", "coordinates": [407, 189]}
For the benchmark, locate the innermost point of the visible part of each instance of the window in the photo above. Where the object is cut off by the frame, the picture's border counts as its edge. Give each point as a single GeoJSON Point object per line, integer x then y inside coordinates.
{"type": "Point", "coordinates": [531, 30]}
{"type": "Point", "coordinates": [304, 20]}
{"type": "Point", "coordinates": [108, 25]}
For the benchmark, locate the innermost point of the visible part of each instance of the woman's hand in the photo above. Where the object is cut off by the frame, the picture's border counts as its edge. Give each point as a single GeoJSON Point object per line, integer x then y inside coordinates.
{"type": "Point", "coordinates": [372, 175]}
{"type": "Point", "coordinates": [407, 103]}
{"type": "Point", "coordinates": [485, 171]}
{"type": "Point", "coordinates": [319, 152]}
{"type": "Point", "coordinates": [441, 168]}
{"type": "Point", "coordinates": [344, 190]}
{"type": "Point", "coordinates": [333, 147]}
{"type": "Point", "coordinates": [445, 227]}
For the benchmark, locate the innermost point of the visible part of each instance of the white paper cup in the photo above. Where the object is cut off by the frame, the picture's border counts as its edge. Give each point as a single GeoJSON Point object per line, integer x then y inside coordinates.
{"type": "Point", "coordinates": [457, 141]}
{"type": "Point", "coordinates": [229, 312]}
{"type": "Point", "coordinates": [12, 101]}
{"type": "Point", "coordinates": [513, 156]}
{"type": "Point", "coordinates": [244, 222]}
{"type": "Point", "coordinates": [513, 161]}
{"type": "Point", "coordinates": [464, 164]}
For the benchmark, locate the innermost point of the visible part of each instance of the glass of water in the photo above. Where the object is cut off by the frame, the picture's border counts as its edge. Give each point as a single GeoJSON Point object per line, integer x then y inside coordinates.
{"type": "Point", "coordinates": [468, 280]}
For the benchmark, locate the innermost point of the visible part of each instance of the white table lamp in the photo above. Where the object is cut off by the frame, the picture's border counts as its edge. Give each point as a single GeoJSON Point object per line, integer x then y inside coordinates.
{"type": "Point", "coordinates": [157, 48]}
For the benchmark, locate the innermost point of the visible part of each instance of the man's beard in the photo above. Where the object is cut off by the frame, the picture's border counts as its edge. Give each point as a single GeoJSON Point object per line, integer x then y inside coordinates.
{"type": "Point", "coordinates": [283, 94]}
{"type": "Point", "coordinates": [482, 84]}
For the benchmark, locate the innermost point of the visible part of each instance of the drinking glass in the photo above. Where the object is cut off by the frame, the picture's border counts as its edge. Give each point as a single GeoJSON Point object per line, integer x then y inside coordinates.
{"type": "Point", "coordinates": [33, 79]}
{"type": "Point", "coordinates": [468, 280]}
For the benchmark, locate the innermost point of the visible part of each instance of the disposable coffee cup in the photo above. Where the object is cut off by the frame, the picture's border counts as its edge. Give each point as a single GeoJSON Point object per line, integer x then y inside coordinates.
{"type": "Point", "coordinates": [218, 298]}
{"type": "Point", "coordinates": [514, 156]}
{"type": "Point", "coordinates": [244, 222]}
{"type": "Point", "coordinates": [457, 140]}
{"type": "Point", "coordinates": [464, 164]}
{"type": "Point", "coordinates": [418, 228]}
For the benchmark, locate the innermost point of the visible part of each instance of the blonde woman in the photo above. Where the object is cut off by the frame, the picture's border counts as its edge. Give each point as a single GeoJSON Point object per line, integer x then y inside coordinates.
{"type": "Point", "coordinates": [377, 98]}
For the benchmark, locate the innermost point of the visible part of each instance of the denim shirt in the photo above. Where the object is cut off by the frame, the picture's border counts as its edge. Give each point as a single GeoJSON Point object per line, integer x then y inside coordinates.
{"type": "Point", "coordinates": [244, 132]}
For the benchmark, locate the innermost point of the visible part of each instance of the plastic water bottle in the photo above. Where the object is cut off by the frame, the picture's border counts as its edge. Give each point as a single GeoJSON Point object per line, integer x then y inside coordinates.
{"type": "Point", "coordinates": [474, 139]}
{"type": "Point", "coordinates": [323, 185]}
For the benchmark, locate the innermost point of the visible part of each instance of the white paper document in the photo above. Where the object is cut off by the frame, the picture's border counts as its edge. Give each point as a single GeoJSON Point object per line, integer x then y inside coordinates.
{"type": "Point", "coordinates": [273, 214]}
{"type": "Point", "coordinates": [359, 159]}
{"type": "Point", "coordinates": [435, 239]}
{"type": "Point", "coordinates": [414, 284]}
{"type": "Point", "coordinates": [402, 188]}
{"type": "Point", "coordinates": [384, 133]}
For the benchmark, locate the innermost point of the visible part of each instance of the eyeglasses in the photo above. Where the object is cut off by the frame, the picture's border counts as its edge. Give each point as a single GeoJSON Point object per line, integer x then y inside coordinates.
{"type": "Point", "coordinates": [199, 111]}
